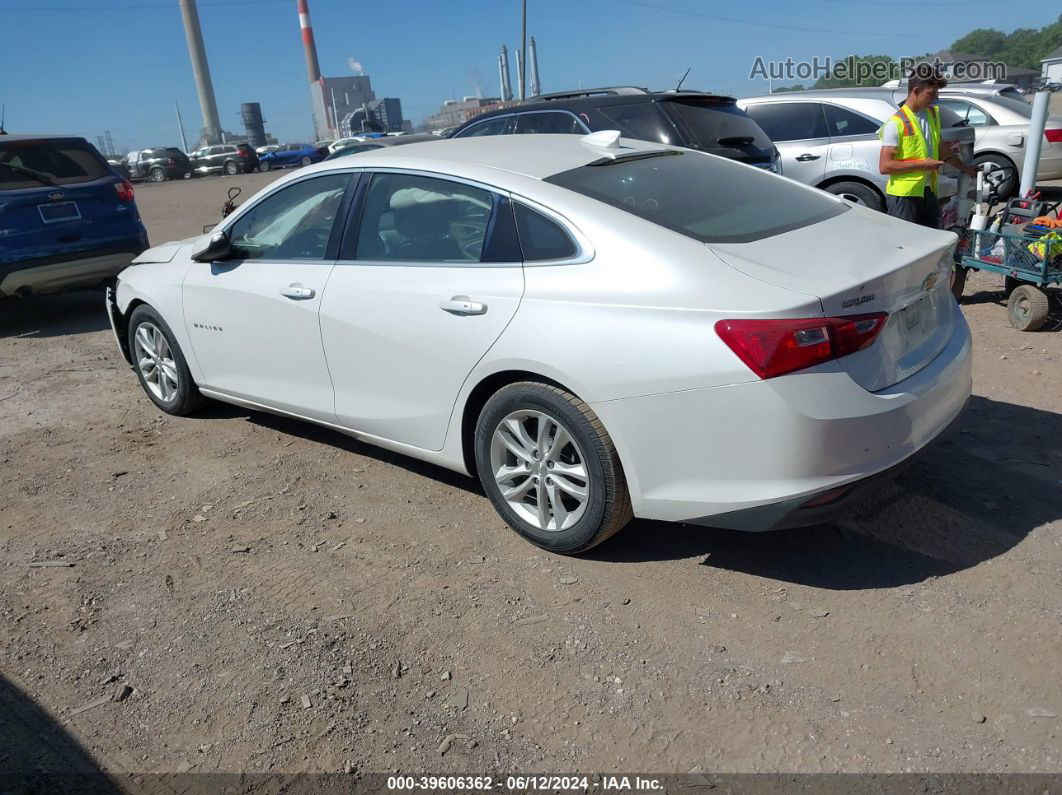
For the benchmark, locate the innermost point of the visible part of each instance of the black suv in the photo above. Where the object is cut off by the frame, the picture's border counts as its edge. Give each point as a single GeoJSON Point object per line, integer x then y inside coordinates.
{"type": "Point", "coordinates": [158, 165]}
{"type": "Point", "coordinates": [705, 122]}
{"type": "Point", "coordinates": [225, 159]}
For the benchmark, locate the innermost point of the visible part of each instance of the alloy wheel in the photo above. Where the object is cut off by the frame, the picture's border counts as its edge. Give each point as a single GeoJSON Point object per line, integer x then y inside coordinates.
{"type": "Point", "coordinates": [540, 470]}
{"type": "Point", "coordinates": [155, 361]}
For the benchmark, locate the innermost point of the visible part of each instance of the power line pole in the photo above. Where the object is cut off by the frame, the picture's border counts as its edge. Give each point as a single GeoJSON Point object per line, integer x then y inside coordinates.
{"type": "Point", "coordinates": [523, 50]}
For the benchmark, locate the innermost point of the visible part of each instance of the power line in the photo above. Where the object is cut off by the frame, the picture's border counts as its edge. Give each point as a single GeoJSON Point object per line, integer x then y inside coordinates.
{"type": "Point", "coordinates": [777, 26]}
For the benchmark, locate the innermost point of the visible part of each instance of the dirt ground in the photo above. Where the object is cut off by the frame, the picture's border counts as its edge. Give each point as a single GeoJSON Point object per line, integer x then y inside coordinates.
{"type": "Point", "coordinates": [249, 593]}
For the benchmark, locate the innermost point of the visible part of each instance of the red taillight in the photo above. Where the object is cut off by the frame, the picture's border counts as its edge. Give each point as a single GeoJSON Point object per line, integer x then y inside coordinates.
{"type": "Point", "coordinates": [125, 190]}
{"type": "Point", "coordinates": [241, 153]}
{"type": "Point", "coordinates": [775, 347]}
{"type": "Point", "coordinates": [171, 162]}
{"type": "Point", "coordinates": [1053, 136]}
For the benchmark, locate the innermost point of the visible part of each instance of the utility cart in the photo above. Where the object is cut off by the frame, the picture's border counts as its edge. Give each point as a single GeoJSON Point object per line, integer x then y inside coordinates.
{"type": "Point", "coordinates": [1023, 243]}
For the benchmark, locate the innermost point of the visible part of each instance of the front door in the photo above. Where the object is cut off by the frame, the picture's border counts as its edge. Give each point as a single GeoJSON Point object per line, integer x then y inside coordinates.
{"type": "Point", "coordinates": [798, 129]}
{"type": "Point", "coordinates": [429, 282]}
{"type": "Point", "coordinates": [253, 318]}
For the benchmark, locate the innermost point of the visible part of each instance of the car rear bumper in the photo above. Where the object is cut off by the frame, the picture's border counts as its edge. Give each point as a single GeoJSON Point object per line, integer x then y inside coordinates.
{"type": "Point", "coordinates": [749, 456]}
{"type": "Point", "coordinates": [83, 269]}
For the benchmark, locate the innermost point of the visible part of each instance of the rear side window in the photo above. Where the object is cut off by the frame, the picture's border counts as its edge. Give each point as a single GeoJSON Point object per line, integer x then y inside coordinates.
{"type": "Point", "coordinates": [841, 122]}
{"type": "Point", "coordinates": [541, 238]}
{"type": "Point", "coordinates": [710, 125]}
{"type": "Point", "coordinates": [790, 121]}
{"type": "Point", "coordinates": [555, 123]}
{"type": "Point", "coordinates": [409, 218]}
{"type": "Point", "coordinates": [31, 164]}
{"type": "Point", "coordinates": [710, 199]}
{"type": "Point", "coordinates": [488, 127]}
{"type": "Point", "coordinates": [642, 120]}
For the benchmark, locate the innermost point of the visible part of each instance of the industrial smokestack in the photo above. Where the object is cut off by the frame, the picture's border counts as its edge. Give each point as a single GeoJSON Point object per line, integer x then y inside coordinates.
{"type": "Point", "coordinates": [520, 76]}
{"type": "Point", "coordinates": [532, 54]}
{"type": "Point", "coordinates": [253, 123]}
{"type": "Point", "coordinates": [204, 87]}
{"type": "Point", "coordinates": [313, 69]}
{"type": "Point", "coordinates": [503, 68]}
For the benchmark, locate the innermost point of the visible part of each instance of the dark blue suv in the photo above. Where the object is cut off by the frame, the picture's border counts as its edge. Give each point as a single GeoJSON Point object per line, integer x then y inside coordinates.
{"type": "Point", "coordinates": [67, 220]}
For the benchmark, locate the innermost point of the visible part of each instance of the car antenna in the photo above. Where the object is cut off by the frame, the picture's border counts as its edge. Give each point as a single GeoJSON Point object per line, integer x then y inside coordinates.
{"type": "Point", "coordinates": [683, 80]}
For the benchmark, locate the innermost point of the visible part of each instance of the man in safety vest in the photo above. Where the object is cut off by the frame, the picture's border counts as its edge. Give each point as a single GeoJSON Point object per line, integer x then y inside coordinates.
{"type": "Point", "coordinates": [912, 153]}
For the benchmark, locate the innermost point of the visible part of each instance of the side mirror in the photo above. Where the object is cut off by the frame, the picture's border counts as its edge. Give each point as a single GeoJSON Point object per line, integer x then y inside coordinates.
{"type": "Point", "coordinates": [217, 248]}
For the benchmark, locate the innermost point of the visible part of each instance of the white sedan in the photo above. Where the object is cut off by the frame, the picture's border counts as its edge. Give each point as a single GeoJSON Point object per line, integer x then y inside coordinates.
{"type": "Point", "coordinates": [597, 328]}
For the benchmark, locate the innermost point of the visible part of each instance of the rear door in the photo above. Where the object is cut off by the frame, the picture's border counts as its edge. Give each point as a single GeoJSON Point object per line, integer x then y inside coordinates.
{"type": "Point", "coordinates": [253, 318]}
{"type": "Point", "coordinates": [799, 131]}
{"type": "Point", "coordinates": [72, 205]}
{"type": "Point", "coordinates": [428, 280]}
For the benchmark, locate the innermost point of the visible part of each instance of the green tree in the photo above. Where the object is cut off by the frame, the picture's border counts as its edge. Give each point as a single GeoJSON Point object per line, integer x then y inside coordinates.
{"type": "Point", "coordinates": [846, 73]}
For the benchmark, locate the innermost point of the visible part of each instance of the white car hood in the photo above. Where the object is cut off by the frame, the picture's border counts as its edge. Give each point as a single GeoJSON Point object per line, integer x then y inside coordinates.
{"type": "Point", "coordinates": [164, 253]}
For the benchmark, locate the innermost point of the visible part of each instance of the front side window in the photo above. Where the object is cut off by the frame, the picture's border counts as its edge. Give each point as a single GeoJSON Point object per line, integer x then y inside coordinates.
{"type": "Point", "coordinates": [549, 123]}
{"type": "Point", "coordinates": [973, 115]}
{"type": "Point", "coordinates": [842, 122]}
{"type": "Point", "coordinates": [710, 199]}
{"type": "Point", "coordinates": [30, 164]}
{"type": "Point", "coordinates": [789, 121]}
{"type": "Point", "coordinates": [292, 224]}
{"type": "Point", "coordinates": [409, 218]}
{"type": "Point", "coordinates": [488, 127]}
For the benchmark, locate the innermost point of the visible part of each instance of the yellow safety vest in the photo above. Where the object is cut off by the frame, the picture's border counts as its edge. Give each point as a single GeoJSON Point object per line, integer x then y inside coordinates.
{"type": "Point", "coordinates": [913, 146]}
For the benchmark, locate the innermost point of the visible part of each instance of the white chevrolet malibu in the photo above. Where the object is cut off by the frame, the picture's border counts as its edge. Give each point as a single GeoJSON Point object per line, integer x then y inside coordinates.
{"type": "Point", "coordinates": [597, 328]}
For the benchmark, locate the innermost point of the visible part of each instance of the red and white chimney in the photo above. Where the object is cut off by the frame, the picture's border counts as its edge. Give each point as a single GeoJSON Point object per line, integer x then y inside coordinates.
{"type": "Point", "coordinates": [313, 69]}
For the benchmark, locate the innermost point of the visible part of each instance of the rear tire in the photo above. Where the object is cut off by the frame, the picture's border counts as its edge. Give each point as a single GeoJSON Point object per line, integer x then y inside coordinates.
{"type": "Point", "coordinates": [231, 168]}
{"type": "Point", "coordinates": [1028, 308]}
{"type": "Point", "coordinates": [578, 477]}
{"type": "Point", "coordinates": [158, 175]}
{"type": "Point", "coordinates": [858, 193]}
{"type": "Point", "coordinates": [160, 364]}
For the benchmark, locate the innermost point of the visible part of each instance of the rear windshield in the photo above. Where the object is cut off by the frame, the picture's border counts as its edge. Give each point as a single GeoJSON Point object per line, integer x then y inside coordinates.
{"type": "Point", "coordinates": [712, 125]}
{"type": "Point", "coordinates": [31, 164]}
{"type": "Point", "coordinates": [711, 199]}
{"type": "Point", "coordinates": [1019, 106]}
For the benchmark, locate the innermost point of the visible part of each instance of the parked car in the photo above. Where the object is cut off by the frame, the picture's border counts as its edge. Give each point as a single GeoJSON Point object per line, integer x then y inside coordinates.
{"type": "Point", "coordinates": [225, 159]}
{"type": "Point", "coordinates": [290, 155]}
{"type": "Point", "coordinates": [987, 88]}
{"type": "Point", "coordinates": [706, 122]}
{"type": "Point", "coordinates": [1001, 127]}
{"type": "Point", "coordinates": [158, 164]}
{"type": "Point", "coordinates": [597, 328]}
{"type": "Point", "coordinates": [68, 220]}
{"type": "Point", "coordinates": [261, 150]}
{"type": "Point", "coordinates": [829, 139]}
{"type": "Point", "coordinates": [355, 147]}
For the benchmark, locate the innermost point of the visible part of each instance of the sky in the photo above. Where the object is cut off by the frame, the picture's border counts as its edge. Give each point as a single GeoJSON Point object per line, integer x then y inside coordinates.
{"type": "Point", "coordinates": [88, 66]}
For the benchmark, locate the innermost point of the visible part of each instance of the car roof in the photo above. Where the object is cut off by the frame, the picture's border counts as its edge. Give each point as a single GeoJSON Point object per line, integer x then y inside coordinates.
{"type": "Point", "coordinates": [38, 137]}
{"type": "Point", "coordinates": [869, 92]}
{"type": "Point", "coordinates": [537, 156]}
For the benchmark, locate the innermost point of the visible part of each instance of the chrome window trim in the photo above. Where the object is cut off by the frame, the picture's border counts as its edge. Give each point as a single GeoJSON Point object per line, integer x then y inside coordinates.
{"type": "Point", "coordinates": [514, 115]}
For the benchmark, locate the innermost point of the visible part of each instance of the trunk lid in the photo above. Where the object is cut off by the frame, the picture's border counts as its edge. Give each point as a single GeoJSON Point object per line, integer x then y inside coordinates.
{"type": "Point", "coordinates": [863, 262]}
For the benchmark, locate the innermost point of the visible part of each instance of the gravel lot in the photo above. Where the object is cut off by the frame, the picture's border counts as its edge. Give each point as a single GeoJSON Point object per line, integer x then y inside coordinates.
{"type": "Point", "coordinates": [249, 593]}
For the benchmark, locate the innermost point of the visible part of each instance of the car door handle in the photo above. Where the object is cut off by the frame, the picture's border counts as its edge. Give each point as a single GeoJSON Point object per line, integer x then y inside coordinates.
{"type": "Point", "coordinates": [297, 292]}
{"type": "Point", "coordinates": [462, 305]}
{"type": "Point", "coordinates": [807, 156]}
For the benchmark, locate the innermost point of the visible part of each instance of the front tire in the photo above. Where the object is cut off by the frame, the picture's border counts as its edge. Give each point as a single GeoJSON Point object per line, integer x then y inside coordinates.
{"type": "Point", "coordinates": [550, 468]}
{"type": "Point", "coordinates": [1009, 178]}
{"type": "Point", "coordinates": [305, 161]}
{"type": "Point", "coordinates": [858, 193]}
{"type": "Point", "coordinates": [263, 166]}
{"type": "Point", "coordinates": [160, 364]}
